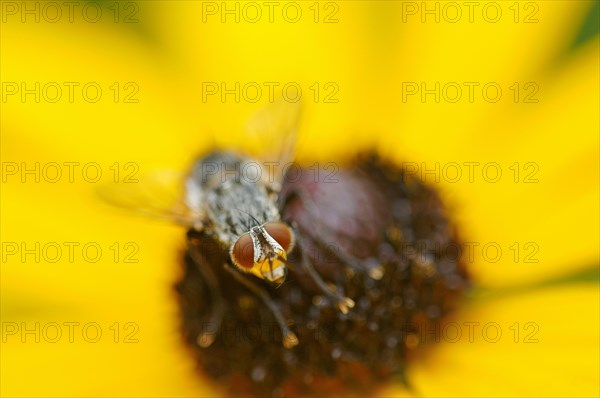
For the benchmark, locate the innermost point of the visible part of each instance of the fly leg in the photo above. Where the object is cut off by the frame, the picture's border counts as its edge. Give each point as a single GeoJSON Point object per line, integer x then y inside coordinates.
{"type": "Point", "coordinates": [344, 303]}
{"type": "Point", "coordinates": [373, 270]}
{"type": "Point", "coordinates": [289, 338]}
{"type": "Point", "coordinates": [206, 338]}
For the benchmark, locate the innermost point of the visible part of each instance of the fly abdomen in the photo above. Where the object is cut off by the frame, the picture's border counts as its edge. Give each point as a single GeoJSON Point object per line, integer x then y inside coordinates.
{"type": "Point", "coordinates": [232, 193]}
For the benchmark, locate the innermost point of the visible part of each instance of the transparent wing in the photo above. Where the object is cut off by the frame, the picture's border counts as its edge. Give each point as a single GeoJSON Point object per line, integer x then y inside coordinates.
{"type": "Point", "coordinates": [158, 195]}
{"type": "Point", "coordinates": [272, 136]}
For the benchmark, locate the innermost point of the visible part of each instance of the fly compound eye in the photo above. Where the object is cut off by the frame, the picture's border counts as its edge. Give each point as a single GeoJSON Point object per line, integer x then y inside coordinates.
{"type": "Point", "coordinates": [282, 233]}
{"type": "Point", "coordinates": [242, 253]}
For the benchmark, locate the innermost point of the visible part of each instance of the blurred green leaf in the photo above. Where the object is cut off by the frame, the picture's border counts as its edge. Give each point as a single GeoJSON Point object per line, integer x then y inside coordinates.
{"type": "Point", "coordinates": [585, 276]}
{"type": "Point", "coordinates": [590, 26]}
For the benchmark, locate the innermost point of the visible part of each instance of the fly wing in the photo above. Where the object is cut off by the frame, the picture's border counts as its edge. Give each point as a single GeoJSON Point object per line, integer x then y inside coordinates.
{"type": "Point", "coordinates": [156, 195]}
{"type": "Point", "coordinates": [272, 136]}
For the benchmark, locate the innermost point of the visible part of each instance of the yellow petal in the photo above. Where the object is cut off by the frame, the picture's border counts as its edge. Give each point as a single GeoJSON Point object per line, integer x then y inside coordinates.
{"type": "Point", "coordinates": [167, 126]}
{"type": "Point", "coordinates": [544, 343]}
{"type": "Point", "coordinates": [542, 213]}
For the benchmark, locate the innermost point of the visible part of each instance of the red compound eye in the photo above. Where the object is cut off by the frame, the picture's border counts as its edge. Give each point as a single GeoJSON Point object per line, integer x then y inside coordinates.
{"type": "Point", "coordinates": [243, 252]}
{"type": "Point", "coordinates": [282, 233]}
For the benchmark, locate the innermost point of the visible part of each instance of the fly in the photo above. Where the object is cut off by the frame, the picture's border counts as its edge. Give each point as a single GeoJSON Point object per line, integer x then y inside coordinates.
{"type": "Point", "coordinates": [233, 199]}
{"type": "Point", "coordinates": [241, 212]}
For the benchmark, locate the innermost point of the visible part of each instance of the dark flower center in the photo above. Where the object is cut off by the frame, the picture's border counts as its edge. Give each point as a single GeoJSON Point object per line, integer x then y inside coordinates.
{"type": "Point", "coordinates": [373, 234]}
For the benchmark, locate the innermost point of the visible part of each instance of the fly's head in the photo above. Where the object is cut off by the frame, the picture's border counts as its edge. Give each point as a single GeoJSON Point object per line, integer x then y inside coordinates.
{"type": "Point", "coordinates": [263, 251]}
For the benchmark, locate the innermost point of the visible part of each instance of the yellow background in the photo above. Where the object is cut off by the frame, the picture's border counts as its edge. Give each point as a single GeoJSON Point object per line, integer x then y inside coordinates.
{"type": "Point", "coordinates": [368, 53]}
